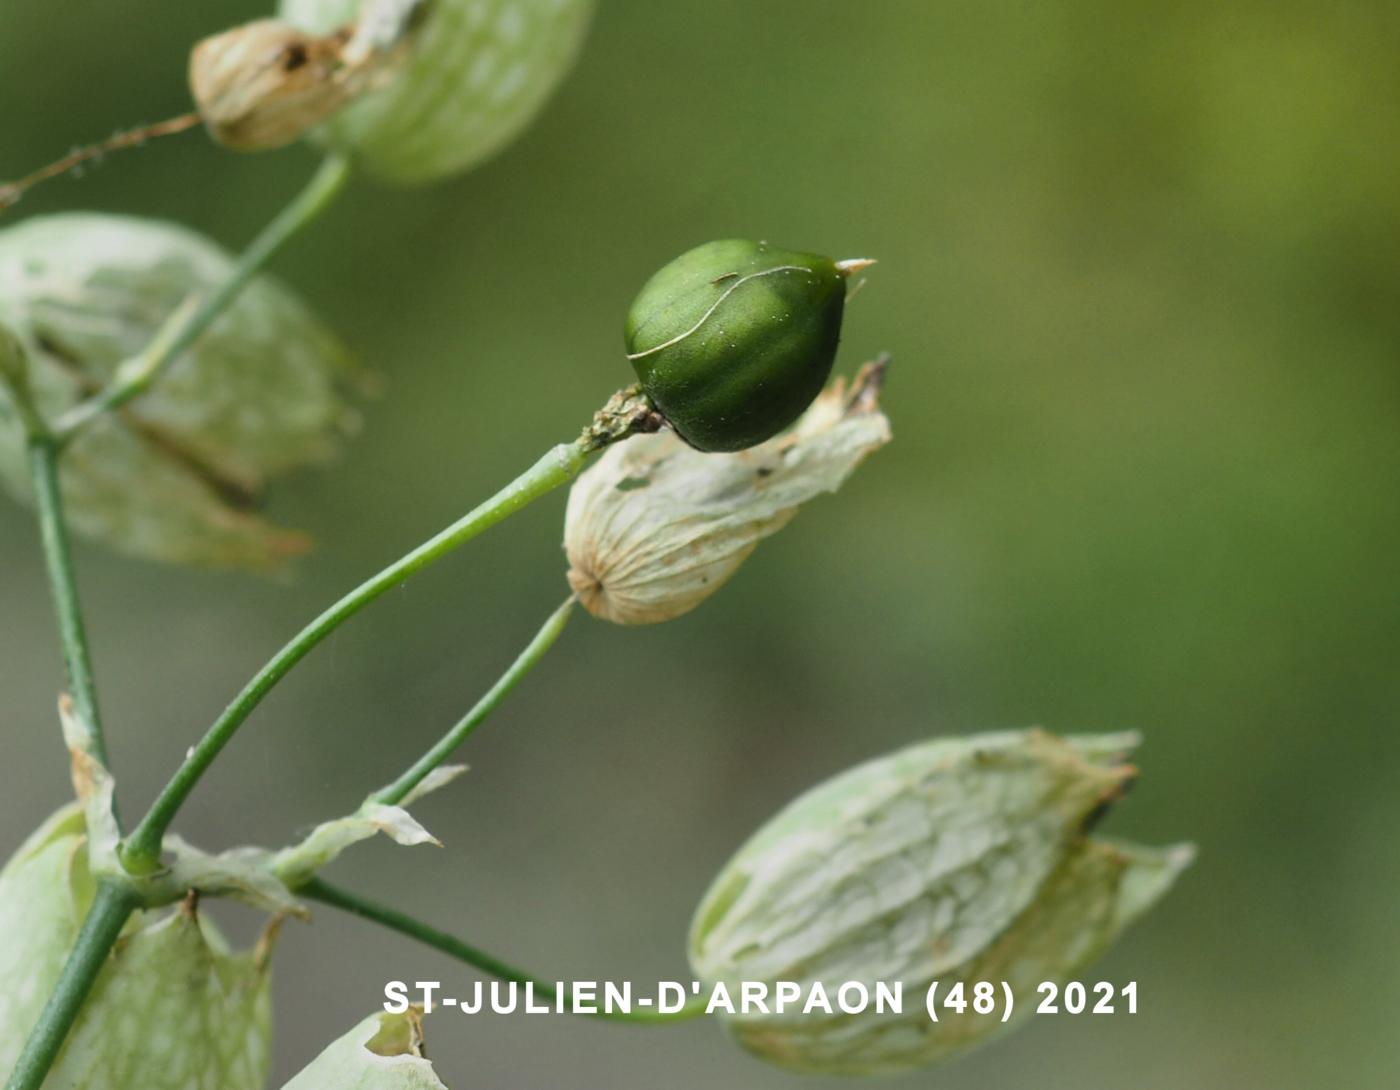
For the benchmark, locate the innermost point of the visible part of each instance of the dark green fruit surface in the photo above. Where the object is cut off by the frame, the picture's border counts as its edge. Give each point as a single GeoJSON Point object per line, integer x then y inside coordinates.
{"type": "Point", "coordinates": [733, 339]}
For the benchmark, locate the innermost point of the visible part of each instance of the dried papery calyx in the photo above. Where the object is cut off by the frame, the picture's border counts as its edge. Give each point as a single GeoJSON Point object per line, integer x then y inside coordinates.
{"type": "Point", "coordinates": [176, 474]}
{"type": "Point", "coordinates": [173, 1009]}
{"type": "Point", "coordinates": [656, 527]}
{"type": "Point", "coordinates": [267, 83]}
{"type": "Point", "coordinates": [958, 861]}
{"type": "Point", "coordinates": [733, 339]}
{"type": "Point", "coordinates": [384, 1052]}
{"type": "Point", "coordinates": [473, 76]}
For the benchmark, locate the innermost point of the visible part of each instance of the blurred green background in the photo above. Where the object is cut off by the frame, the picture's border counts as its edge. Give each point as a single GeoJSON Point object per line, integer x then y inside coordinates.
{"type": "Point", "coordinates": [1140, 272]}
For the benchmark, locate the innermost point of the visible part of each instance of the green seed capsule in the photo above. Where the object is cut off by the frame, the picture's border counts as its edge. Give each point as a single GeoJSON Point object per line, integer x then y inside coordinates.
{"type": "Point", "coordinates": [734, 339]}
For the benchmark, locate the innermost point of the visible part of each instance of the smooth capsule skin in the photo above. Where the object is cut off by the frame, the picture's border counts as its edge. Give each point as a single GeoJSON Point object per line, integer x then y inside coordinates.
{"type": "Point", "coordinates": [734, 339]}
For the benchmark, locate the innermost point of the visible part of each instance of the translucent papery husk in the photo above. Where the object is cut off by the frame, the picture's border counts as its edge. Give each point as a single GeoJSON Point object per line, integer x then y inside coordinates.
{"type": "Point", "coordinates": [174, 475]}
{"type": "Point", "coordinates": [264, 84]}
{"type": "Point", "coordinates": [384, 1052]}
{"type": "Point", "coordinates": [173, 1008]}
{"type": "Point", "coordinates": [655, 527]}
{"type": "Point", "coordinates": [955, 860]}
{"type": "Point", "coordinates": [477, 73]}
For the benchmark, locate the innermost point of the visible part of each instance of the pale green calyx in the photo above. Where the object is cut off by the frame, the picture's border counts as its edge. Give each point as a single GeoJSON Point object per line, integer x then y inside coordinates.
{"type": "Point", "coordinates": [176, 474]}
{"type": "Point", "coordinates": [475, 74]}
{"type": "Point", "coordinates": [174, 1008]}
{"type": "Point", "coordinates": [962, 859]}
{"type": "Point", "coordinates": [384, 1052]}
{"type": "Point", "coordinates": [656, 526]}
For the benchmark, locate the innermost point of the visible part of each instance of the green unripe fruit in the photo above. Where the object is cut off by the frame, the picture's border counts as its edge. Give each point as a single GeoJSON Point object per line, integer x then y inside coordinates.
{"type": "Point", "coordinates": [734, 339]}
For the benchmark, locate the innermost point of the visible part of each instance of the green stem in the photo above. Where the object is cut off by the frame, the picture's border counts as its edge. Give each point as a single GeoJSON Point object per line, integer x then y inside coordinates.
{"type": "Point", "coordinates": [141, 851]}
{"type": "Point", "coordinates": [189, 322]}
{"type": "Point", "coordinates": [544, 639]}
{"type": "Point", "coordinates": [394, 920]}
{"type": "Point", "coordinates": [110, 908]}
{"type": "Point", "coordinates": [63, 588]}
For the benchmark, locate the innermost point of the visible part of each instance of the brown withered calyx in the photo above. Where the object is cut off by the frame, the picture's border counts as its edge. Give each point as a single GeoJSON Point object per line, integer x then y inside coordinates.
{"type": "Point", "coordinates": [265, 84]}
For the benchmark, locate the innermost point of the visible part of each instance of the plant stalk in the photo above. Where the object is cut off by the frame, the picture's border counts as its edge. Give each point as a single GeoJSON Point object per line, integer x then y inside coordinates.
{"type": "Point", "coordinates": [110, 909]}
{"type": "Point", "coordinates": [544, 639]}
{"type": "Point", "coordinates": [140, 852]}
{"type": "Point", "coordinates": [63, 587]}
{"type": "Point", "coordinates": [189, 322]}
{"type": "Point", "coordinates": [394, 920]}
